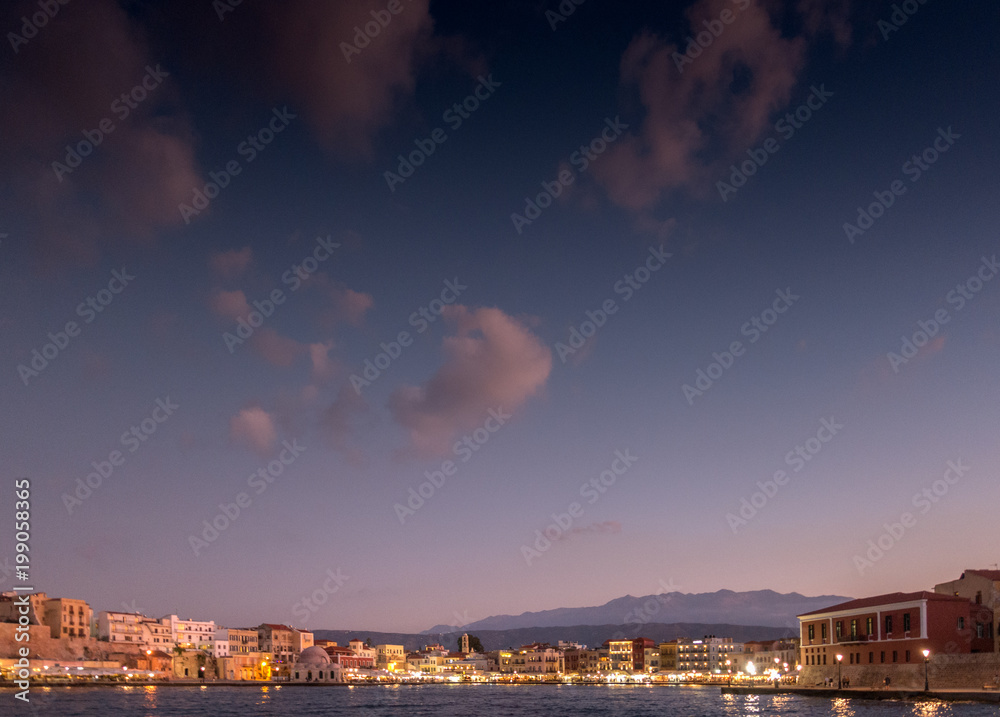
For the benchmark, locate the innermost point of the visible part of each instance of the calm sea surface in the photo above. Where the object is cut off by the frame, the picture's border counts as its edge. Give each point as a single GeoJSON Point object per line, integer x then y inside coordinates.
{"type": "Point", "coordinates": [448, 700]}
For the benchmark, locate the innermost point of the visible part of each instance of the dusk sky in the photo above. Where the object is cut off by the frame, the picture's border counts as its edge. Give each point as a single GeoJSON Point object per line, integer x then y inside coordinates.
{"type": "Point", "coordinates": [355, 244]}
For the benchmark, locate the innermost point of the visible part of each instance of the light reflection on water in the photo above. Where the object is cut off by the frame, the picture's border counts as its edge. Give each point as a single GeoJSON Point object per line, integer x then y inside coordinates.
{"type": "Point", "coordinates": [150, 702]}
{"type": "Point", "coordinates": [842, 707]}
{"type": "Point", "coordinates": [447, 700]}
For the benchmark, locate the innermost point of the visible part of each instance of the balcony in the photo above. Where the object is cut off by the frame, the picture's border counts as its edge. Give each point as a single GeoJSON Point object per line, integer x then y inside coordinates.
{"type": "Point", "coordinates": [854, 638]}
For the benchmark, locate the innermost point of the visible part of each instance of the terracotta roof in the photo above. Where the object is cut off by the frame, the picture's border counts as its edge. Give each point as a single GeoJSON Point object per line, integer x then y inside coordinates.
{"type": "Point", "coordinates": [988, 574]}
{"type": "Point", "coordinates": [884, 600]}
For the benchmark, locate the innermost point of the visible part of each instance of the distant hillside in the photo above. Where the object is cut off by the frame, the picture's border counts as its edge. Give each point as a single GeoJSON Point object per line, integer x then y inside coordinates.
{"type": "Point", "coordinates": [758, 607]}
{"type": "Point", "coordinates": [591, 635]}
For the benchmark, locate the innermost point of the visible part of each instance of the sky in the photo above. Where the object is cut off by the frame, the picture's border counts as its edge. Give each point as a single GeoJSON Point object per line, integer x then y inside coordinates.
{"type": "Point", "coordinates": [384, 315]}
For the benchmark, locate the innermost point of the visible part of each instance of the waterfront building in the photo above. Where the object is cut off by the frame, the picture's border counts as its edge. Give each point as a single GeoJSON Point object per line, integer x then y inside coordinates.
{"type": "Point", "coordinates": [645, 655]}
{"type": "Point", "coordinates": [782, 655]}
{"type": "Point", "coordinates": [595, 661]}
{"type": "Point", "coordinates": [279, 642]}
{"type": "Point", "coordinates": [893, 629]}
{"type": "Point", "coordinates": [429, 661]}
{"type": "Point", "coordinates": [542, 658]}
{"type": "Point", "coordinates": [135, 628]}
{"type": "Point", "coordinates": [243, 666]}
{"type": "Point", "coordinates": [620, 654]}
{"type": "Point", "coordinates": [668, 656]}
{"type": "Point", "coordinates": [348, 658]}
{"type": "Point", "coordinates": [707, 655]}
{"type": "Point", "coordinates": [191, 634]}
{"type": "Point", "coordinates": [390, 657]}
{"type": "Point", "coordinates": [65, 617]}
{"type": "Point", "coordinates": [314, 665]}
{"type": "Point", "coordinates": [358, 647]}
{"type": "Point", "coordinates": [231, 641]}
{"type": "Point", "coordinates": [68, 617]}
{"type": "Point", "coordinates": [982, 588]}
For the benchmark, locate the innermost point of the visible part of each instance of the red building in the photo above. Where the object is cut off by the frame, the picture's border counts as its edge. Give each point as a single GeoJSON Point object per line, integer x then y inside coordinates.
{"type": "Point", "coordinates": [639, 647]}
{"type": "Point", "coordinates": [346, 658]}
{"type": "Point", "coordinates": [894, 628]}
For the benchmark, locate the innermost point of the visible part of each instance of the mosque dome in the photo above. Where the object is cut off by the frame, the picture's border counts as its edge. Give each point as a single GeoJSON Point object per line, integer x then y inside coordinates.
{"type": "Point", "coordinates": [314, 656]}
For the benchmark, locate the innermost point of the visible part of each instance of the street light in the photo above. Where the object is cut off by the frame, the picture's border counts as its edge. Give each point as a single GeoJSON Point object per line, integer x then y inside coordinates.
{"type": "Point", "coordinates": [839, 682]}
{"type": "Point", "coordinates": [730, 671]}
{"type": "Point", "coordinates": [927, 654]}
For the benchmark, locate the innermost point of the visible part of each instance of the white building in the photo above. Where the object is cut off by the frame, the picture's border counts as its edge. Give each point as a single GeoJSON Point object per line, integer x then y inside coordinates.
{"type": "Point", "coordinates": [707, 655]}
{"type": "Point", "coordinates": [314, 665]}
{"type": "Point", "coordinates": [136, 629]}
{"type": "Point", "coordinates": [192, 634]}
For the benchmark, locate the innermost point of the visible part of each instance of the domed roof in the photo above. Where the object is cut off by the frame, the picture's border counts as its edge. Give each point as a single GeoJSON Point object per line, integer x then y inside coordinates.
{"type": "Point", "coordinates": [314, 656]}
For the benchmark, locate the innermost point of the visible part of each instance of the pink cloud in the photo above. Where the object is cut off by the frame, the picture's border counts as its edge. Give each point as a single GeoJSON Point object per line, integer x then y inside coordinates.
{"type": "Point", "coordinates": [229, 305]}
{"type": "Point", "coordinates": [298, 58]}
{"type": "Point", "coordinates": [64, 81]}
{"type": "Point", "coordinates": [492, 362]}
{"type": "Point", "coordinates": [276, 349]}
{"type": "Point", "coordinates": [341, 304]}
{"type": "Point", "coordinates": [229, 265]}
{"type": "Point", "coordinates": [254, 427]}
{"type": "Point", "coordinates": [674, 147]}
{"type": "Point", "coordinates": [324, 368]}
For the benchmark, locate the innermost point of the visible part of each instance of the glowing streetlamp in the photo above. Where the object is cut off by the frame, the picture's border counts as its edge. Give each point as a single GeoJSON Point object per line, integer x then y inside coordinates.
{"type": "Point", "coordinates": [840, 683]}
{"type": "Point", "coordinates": [927, 654]}
{"type": "Point", "coordinates": [729, 670]}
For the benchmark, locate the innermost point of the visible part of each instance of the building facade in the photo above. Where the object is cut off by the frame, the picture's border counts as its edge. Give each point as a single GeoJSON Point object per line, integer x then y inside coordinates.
{"type": "Point", "coordinates": [68, 617]}
{"type": "Point", "coordinates": [191, 634]}
{"type": "Point", "coordinates": [135, 628]}
{"type": "Point", "coordinates": [390, 657]}
{"type": "Point", "coordinates": [891, 629]}
{"type": "Point", "coordinates": [709, 654]}
{"type": "Point", "coordinates": [982, 588]}
{"type": "Point", "coordinates": [278, 641]}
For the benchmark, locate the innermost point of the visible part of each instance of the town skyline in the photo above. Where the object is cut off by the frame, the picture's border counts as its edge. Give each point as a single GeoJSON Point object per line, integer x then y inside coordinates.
{"type": "Point", "coordinates": [444, 309]}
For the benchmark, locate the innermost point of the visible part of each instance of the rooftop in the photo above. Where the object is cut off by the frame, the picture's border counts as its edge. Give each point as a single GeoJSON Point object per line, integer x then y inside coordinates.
{"type": "Point", "coordinates": [886, 599]}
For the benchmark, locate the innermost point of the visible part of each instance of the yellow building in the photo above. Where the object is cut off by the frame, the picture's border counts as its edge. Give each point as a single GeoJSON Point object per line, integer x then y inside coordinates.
{"type": "Point", "coordinates": [68, 617]}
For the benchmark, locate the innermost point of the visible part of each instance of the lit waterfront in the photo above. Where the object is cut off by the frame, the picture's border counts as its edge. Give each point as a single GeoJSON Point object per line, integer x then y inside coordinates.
{"type": "Point", "coordinates": [442, 700]}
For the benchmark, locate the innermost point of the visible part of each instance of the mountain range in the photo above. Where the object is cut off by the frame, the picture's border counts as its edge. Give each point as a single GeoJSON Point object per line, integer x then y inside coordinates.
{"type": "Point", "coordinates": [753, 608]}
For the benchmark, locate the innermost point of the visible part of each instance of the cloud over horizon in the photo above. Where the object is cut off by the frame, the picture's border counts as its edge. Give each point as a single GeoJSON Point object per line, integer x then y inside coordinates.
{"type": "Point", "coordinates": [493, 361]}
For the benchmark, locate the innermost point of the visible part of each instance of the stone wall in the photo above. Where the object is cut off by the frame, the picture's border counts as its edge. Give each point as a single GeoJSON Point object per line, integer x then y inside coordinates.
{"type": "Point", "coordinates": [964, 671]}
{"type": "Point", "coordinates": [44, 647]}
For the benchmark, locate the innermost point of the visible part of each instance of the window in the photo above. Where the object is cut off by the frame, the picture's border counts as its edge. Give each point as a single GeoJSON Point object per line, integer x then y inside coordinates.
{"type": "Point", "coordinates": [961, 623]}
{"type": "Point", "coordinates": [822, 631]}
{"type": "Point", "coordinates": [854, 629]}
{"type": "Point", "coordinates": [979, 597]}
{"type": "Point", "coordinates": [871, 657]}
{"type": "Point", "coordinates": [888, 624]}
{"type": "Point", "coordinates": [980, 630]}
{"type": "Point", "coordinates": [907, 655]}
{"type": "Point", "coordinates": [851, 658]}
{"type": "Point", "coordinates": [824, 658]}
{"type": "Point", "coordinates": [895, 656]}
{"type": "Point", "coordinates": [869, 626]}
{"type": "Point", "coordinates": [906, 622]}
{"type": "Point", "coordinates": [882, 656]}
{"type": "Point", "coordinates": [840, 628]}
